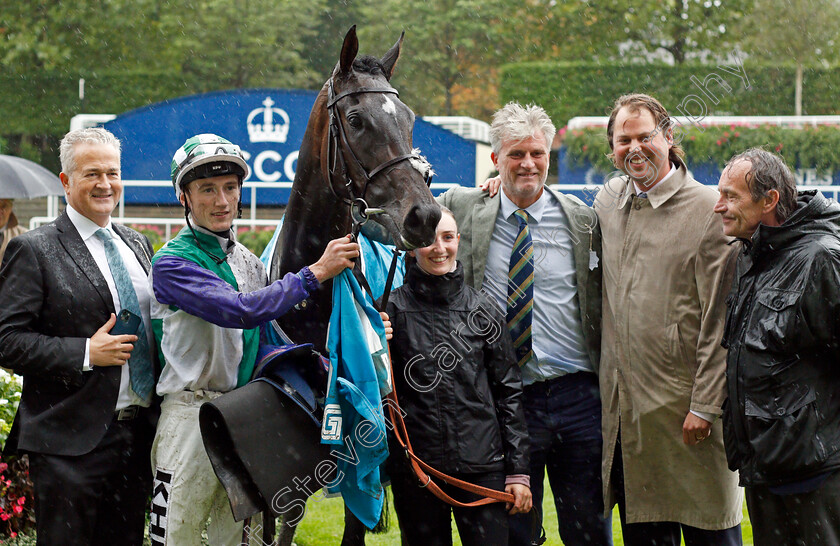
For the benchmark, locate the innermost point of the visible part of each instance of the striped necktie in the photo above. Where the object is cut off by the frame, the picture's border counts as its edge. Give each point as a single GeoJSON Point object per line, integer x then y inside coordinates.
{"type": "Point", "coordinates": [520, 290]}
{"type": "Point", "coordinates": [139, 365]}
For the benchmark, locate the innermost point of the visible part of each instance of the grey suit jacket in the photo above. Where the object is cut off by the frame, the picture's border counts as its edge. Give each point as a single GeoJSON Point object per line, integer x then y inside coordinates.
{"type": "Point", "coordinates": [476, 214]}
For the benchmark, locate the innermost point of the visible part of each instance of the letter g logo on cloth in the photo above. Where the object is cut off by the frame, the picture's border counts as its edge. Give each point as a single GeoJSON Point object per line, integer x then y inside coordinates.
{"type": "Point", "coordinates": [331, 429]}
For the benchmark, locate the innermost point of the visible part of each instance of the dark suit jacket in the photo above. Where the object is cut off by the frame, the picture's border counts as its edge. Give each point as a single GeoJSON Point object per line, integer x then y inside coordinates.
{"type": "Point", "coordinates": [476, 214]}
{"type": "Point", "coordinates": [52, 298]}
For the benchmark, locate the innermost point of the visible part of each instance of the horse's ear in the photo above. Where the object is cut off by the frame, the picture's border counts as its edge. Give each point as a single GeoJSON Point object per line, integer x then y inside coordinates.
{"type": "Point", "coordinates": [389, 61]}
{"type": "Point", "coordinates": [349, 51]}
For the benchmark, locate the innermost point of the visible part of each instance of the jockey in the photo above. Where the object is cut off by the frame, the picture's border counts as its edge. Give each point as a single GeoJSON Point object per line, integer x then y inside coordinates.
{"type": "Point", "coordinates": [209, 297]}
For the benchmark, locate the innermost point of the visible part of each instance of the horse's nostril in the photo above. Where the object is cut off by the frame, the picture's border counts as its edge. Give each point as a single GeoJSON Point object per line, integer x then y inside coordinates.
{"type": "Point", "coordinates": [420, 224]}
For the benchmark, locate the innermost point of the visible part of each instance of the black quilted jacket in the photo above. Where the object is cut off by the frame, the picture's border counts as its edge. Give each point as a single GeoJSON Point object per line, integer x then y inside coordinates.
{"type": "Point", "coordinates": [456, 376]}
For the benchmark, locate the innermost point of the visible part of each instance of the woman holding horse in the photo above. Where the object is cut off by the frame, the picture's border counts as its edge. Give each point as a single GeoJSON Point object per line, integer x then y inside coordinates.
{"type": "Point", "coordinates": [461, 392]}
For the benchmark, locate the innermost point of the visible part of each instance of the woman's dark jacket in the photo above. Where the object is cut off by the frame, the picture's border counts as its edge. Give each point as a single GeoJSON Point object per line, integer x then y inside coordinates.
{"type": "Point", "coordinates": [782, 418]}
{"type": "Point", "coordinates": [456, 377]}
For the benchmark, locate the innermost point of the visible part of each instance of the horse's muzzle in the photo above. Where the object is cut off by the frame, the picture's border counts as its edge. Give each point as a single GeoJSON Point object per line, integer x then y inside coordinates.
{"type": "Point", "coordinates": [420, 224]}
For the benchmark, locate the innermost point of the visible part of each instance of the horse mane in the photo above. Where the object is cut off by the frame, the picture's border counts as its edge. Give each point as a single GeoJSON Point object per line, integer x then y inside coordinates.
{"type": "Point", "coordinates": [369, 65]}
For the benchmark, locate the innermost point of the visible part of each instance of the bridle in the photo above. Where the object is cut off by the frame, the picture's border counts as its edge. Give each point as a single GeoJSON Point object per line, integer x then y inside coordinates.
{"type": "Point", "coordinates": [337, 143]}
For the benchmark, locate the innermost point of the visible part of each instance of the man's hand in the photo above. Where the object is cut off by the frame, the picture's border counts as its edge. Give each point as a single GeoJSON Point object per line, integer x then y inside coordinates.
{"type": "Point", "coordinates": [695, 429]}
{"type": "Point", "coordinates": [108, 350]}
{"type": "Point", "coordinates": [521, 496]}
{"type": "Point", "coordinates": [386, 320]}
{"type": "Point", "coordinates": [491, 185]}
{"type": "Point", "coordinates": [337, 256]}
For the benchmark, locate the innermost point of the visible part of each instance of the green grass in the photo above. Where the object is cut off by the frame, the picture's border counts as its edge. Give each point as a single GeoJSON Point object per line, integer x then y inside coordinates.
{"type": "Point", "coordinates": [324, 522]}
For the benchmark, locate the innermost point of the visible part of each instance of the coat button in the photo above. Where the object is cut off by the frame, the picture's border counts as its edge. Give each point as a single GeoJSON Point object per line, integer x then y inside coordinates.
{"type": "Point", "coordinates": [777, 302]}
{"type": "Point", "coordinates": [780, 411]}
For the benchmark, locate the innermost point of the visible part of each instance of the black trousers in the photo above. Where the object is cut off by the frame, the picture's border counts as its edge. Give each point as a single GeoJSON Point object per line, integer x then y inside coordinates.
{"type": "Point", "coordinates": [801, 520]}
{"type": "Point", "coordinates": [665, 533]}
{"type": "Point", "coordinates": [426, 521]}
{"type": "Point", "coordinates": [99, 498]}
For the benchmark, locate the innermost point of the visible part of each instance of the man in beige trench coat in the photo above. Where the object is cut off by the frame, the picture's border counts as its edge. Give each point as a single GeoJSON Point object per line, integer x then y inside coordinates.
{"type": "Point", "coordinates": [662, 372]}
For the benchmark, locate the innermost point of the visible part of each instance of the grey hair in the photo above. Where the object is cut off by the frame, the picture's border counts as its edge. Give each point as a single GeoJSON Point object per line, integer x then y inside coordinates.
{"type": "Point", "coordinates": [513, 122]}
{"type": "Point", "coordinates": [91, 135]}
{"type": "Point", "coordinates": [768, 171]}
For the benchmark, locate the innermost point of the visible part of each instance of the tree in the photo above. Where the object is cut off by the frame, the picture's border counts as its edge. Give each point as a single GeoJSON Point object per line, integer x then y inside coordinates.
{"type": "Point", "coordinates": [252, 43]}
{"type": "Point", "coordinates": [451, 46]}
{"type": "Point", "coordinates": [801, 31]}
{"type": "Point", "coordinates": [320, 50]}
{"type": "Point", "coordinates": [680, 28]}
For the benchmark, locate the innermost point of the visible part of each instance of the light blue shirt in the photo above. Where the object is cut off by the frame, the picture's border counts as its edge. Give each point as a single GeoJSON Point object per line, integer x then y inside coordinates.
{"type": "Point", "coordinates": [87, 228]}
{"type": "Point", "coordinates": [556, 331]}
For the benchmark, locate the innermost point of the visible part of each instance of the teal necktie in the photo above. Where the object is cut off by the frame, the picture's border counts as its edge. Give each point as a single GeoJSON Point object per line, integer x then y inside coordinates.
{"type": "Point", "coordinates": [520, 290]}
{"type": "Point", "coordinates": [139, 365]}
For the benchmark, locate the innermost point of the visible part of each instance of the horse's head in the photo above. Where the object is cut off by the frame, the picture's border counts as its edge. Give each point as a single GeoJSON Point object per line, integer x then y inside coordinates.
{"type": "Point", "coordinates": [369, 153]}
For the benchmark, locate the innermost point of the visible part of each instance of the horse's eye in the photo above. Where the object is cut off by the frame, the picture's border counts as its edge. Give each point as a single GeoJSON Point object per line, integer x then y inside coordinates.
{"type": "Point", "coordinates": [355, 121]}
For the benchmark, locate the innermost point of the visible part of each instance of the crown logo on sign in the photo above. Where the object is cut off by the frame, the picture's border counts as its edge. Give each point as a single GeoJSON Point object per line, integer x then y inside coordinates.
{"type": "Point", "coordinates": [268, 131]}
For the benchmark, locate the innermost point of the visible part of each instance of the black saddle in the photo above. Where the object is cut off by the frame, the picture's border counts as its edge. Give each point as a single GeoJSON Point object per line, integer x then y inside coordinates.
{"type": "Point", "coordinates": [262, 436]}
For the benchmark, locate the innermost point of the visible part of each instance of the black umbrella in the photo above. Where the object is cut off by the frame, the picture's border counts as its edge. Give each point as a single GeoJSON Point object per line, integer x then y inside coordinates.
{"type": "Point", "coordinates": [23, 179]}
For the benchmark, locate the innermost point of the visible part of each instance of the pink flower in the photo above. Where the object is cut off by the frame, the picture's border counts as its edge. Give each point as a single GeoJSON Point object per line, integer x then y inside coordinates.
{"type": "Point", "coordinates": [719, 142]}
{"type": "Point", "coordinates": [21, 501]}
{"type": "Point", "coordinates": [3, 467]}
{"type": "Point", "coordinates": [779, 147]}
{"type": "Point", "coordinates": [13, 534]}
{"type": "Point", "coordinates": [18, 509]}
{"type": "Point", "coordinates": [5, 516]}
{"type": "Point", "coordinates": [585, 147]}
{"type": "Point", "coordinates": [737, 135]}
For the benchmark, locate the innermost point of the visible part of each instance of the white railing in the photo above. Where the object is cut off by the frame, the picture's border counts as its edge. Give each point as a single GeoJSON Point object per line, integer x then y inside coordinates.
{"type": "Point", "coordinates": [249, 186]}
{"type": "Point", "coordinates": [469, 128]}
{"type": "Point", "coordinates": [253, 222]}
{"type": "Point", "coordinates": [832, 192]}
{"type": "Point", "coordinates": [582, 122]}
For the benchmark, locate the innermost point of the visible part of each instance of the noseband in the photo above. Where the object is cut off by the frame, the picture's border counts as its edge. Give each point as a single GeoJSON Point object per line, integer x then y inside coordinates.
{"type": "Point", "coordinates": [338, 142]}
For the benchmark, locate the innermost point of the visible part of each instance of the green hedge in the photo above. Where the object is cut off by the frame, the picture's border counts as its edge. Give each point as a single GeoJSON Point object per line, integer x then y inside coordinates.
{"type": "Point", "coordinates": [567, 90]}
{"type": "Point", "coordinates": [811, 147]}
{"type": "Point", "coordinates": [44, 103]}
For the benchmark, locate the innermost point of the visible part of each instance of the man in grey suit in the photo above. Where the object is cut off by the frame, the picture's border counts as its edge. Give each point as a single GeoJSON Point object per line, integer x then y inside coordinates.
{"type": "Point", "coordinates": [554, 314]}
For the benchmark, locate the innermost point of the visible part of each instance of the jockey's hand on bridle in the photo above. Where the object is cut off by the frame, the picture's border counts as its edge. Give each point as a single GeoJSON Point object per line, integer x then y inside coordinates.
{"type": "Point", "coordinates": [338, 255]}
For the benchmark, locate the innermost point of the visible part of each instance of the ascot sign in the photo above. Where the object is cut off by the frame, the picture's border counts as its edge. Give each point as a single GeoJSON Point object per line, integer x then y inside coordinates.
{"type": "Point", "coordinates": [268, 131]}
{"type": "Point", "coordinates": [267, 124]}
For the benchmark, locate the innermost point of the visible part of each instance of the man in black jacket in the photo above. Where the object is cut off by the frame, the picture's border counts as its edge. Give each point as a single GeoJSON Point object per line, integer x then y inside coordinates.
{"type": "Point", "coordinates": [84, 416]}
{"type": "Point", "coordinates": [782, 419]}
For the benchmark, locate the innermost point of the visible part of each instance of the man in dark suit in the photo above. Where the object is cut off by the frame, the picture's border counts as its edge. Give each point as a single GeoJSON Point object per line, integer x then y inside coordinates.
{"type": "Point", "coordinates": [554, 314]}
{"type": "Point", "coordinates": [84, 416]}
